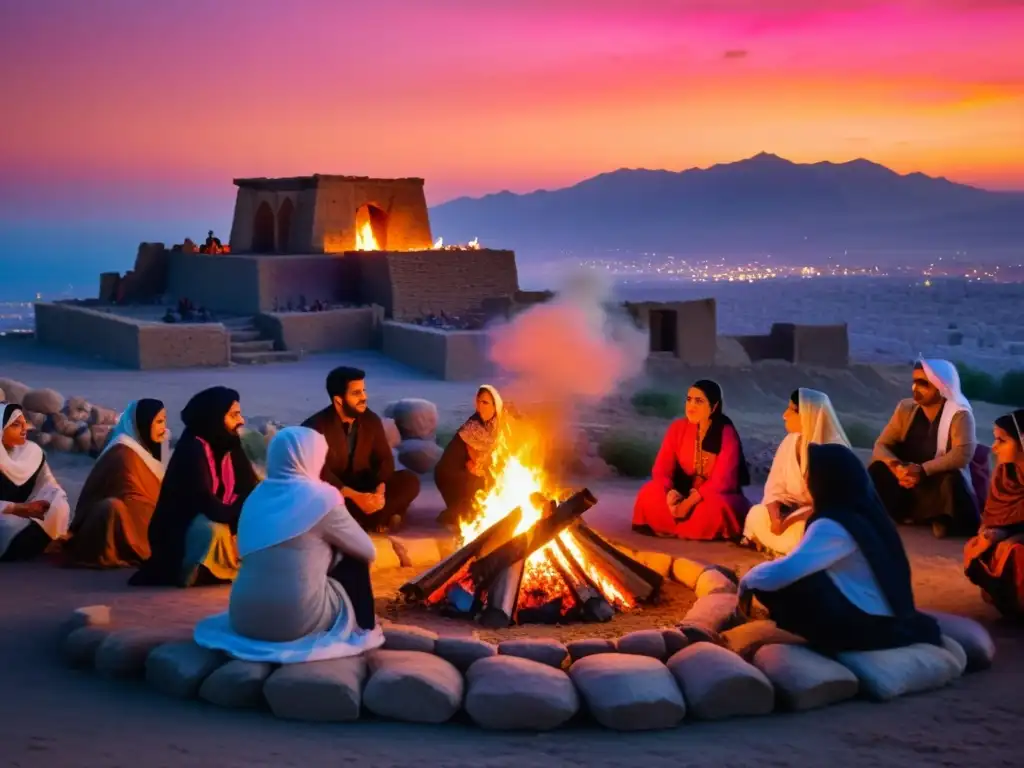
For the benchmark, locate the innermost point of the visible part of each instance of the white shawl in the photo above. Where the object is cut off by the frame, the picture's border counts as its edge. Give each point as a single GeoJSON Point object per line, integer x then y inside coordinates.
{"type": "Point", "coordinates": [945, 378]}
{"type": "Point", "coordinates": [20, 463]}
{"type": "Point", "coordinates": [126, 433]}
{"type": "Point", "coordinates": [293, 498]}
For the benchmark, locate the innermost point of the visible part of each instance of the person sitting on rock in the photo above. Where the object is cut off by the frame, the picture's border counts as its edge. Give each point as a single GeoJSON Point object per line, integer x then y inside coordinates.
{"type": "Point", "coordinates": [208, 478]}
{"type": "Point", "coordinates": [463, 470]}
{"type": "Point", "coordinates": [111, 522]}
{"type": "Point", "coordinates": [359, 459]}
{"type": "Point", "coordinates": [921, 461]}
{"type": "Point", "coordinates": [695, 491]}
{"type": "Point", "coordinates": [994, 559]}
{"type": "Point", "coordinates": [34, 509]}
{"type": "Point", "coordinates": [846, 586]}
{"type": "Point", "coordinates": [777, 523]}
{"type": "Point", "coordinates": [303, 592]}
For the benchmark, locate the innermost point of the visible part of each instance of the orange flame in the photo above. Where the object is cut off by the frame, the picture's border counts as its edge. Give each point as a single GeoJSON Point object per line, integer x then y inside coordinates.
{"type": "Point", "coordinates": [365, 241]}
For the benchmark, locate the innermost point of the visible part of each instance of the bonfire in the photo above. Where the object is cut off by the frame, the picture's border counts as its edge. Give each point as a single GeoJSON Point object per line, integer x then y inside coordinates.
{"type": "Point", "coordinates": [526, 555]}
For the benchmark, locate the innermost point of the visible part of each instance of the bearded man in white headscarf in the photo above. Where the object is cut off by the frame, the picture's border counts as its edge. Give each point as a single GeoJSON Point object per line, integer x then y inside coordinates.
{"type": "Point", "coordinates": [921, 461]}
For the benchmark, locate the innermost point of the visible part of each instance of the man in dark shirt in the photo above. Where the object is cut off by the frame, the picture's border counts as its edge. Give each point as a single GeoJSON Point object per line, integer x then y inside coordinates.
{"type": "Point", "coordinates": [359, 459]}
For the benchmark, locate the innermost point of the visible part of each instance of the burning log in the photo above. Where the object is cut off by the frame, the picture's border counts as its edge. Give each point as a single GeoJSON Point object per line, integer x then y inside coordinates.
{"type": "Point", "coordinates": [429, 582]}
{"type": "Point", "coordinates": [637, 578]}
{"type": "Point", "coordinates": [484, 570]}
{"type": "Point", "coordinates": [587, 594]}
{"type": "Point", "coordinates": [502, 597]}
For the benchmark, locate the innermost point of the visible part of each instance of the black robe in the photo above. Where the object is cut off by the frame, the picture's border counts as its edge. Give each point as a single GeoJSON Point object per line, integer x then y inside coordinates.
{"type": "Point", "coordinates": [187, 491]}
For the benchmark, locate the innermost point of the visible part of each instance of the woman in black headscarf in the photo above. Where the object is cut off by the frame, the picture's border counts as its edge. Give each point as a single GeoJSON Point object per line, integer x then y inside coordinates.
{"type": "Point", "coordinates": [696, 484]}
{"type": "Point", "coordinates": [192, 533]}
{"type": "Point", "coordinates": [846, 586]}
{"type": "Point", "coordinates": [111, 522]}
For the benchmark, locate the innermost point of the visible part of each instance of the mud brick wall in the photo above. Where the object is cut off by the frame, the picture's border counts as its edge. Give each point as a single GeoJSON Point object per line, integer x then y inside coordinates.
{"type": "Point", "coordinates": [330, 331]}
{"type": "Point", "coordinates": [825, 346]}
{"type": "Point", "coordinates": [448, 355]}
{"type": "Point", "coordinates": [130, 343]}
{"type": "Point", "coordinates": [696, 327]}
{"type": "Point", "coordinates": [248, 285]}
{"type": "Point", "coordinates": [413, 284]}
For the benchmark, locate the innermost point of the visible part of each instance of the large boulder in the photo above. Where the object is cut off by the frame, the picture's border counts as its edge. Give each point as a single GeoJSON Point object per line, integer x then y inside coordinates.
{"type": "Point", "coordinates": [412, 686]}
{"type": "Point", "coordinates": [712, 581]}
{"type": "Point", "coordinates": [804, 679]}
{"type": "Point", "coordinates": [675, 640]}
{"type": "Point", "coordinates": [391, 432]}
{"type": "Point", "coordinates": [102, 417]}
{"type": "Point", "coordinates": [80, 645]}
{"type": "Point", "coordinates": [320, 691]}
{"type": "Point", "coordinates": [591, 646]}
{"type": "Point", "coordinates": [14, 391]}
{"type": "Point", "coordinates": [236, 685]}
{"type": "Point", "coordinates": [77, 408]}
{"type": "Point", "coordinates": [716, 612]}
{"type": "Point", "coordinates": [718, 684]}
{"type": "Point", "coordinates": [463, 652]}
{"type": "Point", "coordinates": [123, 653]}
{"type": "Point", "coordinates": [643, 642]}
{"type": "Point", "coordinates": [884, 675]}
{"type": "Point", "coordinates": [178, 669]}
{"type": "Point", "coordinates": [86, 616]}
{"type": "Point", "coordinates": [746, 639]}
{"type": "Point", "coordinates": [972, 637]}
{"type": "Point", "coordinates": [956, 651]}
{"type": "Point", "coordinates": [420, 456]}
{"type": "Point", "coordinates": [628, 693]}
{"type": "Point", "coordinates": [511, 693]}
{"type": "Point", "coordinates": [416, 419]}
{"type": "Point", "coordinates": [48, 401]}
{"type": "Point", "coordinates": [402, 637]}
{"type": "Point", "coordinates": [542, 650]}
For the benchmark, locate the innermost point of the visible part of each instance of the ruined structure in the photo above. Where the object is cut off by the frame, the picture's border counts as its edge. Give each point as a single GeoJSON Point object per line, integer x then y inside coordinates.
{"type": "Point", "coordinates": [329, 214]}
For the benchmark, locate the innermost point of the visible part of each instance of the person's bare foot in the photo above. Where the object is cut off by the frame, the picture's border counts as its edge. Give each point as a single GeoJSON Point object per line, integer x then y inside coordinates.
{"type": "Point", "coordinates": [940, 529]}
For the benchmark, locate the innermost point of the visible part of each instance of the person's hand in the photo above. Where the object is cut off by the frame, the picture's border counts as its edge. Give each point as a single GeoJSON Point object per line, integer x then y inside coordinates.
{"type": "Point", "coordinates": [912, 475]}
{"type": "Point", "coordinates": [673, 498]}
{"type": "Point", "coordinates": [37, 509]}
{"type": "Point", "coordinates": [369, 503]}
{"type": "Point", "coordinates": [994, 534]}
{"type": "Point", "coordinates": [777, 518]}
{"type": "Point", "coordinates": [899, 470]}
{"type": "Point", "coordinates": [685, 507]}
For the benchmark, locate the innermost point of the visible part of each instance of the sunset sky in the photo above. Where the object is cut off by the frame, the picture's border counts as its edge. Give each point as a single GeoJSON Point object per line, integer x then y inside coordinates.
{"type": "Point", "coordinates": [146, 109]}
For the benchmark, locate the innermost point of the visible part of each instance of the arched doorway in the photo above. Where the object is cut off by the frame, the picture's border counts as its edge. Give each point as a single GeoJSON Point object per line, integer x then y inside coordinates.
{"type": "Point", "coordinates": [371, 228]}
{"type": "Point", "coordinates": [263, 229]}
{"type": "Point", "coordinates": [284, 225]}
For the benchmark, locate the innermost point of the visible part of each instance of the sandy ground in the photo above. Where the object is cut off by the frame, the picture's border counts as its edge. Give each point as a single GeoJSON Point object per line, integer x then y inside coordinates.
{"type": "Point", "coordinates": [55, 717]}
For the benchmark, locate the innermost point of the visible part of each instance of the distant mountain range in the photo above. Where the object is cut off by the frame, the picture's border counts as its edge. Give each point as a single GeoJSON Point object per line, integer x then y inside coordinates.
{"type": "Point", "coordinates": [764, 204]}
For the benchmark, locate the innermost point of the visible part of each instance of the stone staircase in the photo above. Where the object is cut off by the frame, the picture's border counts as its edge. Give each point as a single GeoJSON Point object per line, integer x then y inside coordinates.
{"type": "Point", "coordinates": [250, 347]}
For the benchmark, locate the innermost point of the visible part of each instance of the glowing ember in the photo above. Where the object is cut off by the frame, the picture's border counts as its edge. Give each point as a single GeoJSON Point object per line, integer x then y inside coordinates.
{"type": "Point", "coordinates": [365, 241]}
{"type": "Point", "coordinates": [520, 482]}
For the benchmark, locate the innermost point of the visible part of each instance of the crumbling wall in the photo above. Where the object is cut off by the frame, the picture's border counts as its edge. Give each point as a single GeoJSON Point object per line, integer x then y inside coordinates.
{"type": "Point", "coordinates": [826, 346]}
{"type": "Point", "coordinates": [413, 284]}
{"type": "Point", "coordinates": [448, 355]}
{"type": "Point", "coordinates": [695, 334]}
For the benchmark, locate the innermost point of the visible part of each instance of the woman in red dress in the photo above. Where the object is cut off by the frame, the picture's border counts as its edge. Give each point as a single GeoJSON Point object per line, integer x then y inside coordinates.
{"type": "Point", "coordinates": [695, 491]}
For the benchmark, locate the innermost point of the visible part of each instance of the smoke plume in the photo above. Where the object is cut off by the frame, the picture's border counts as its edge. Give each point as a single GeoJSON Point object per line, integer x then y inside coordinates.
{"type": "Point", "coordinates": [575, 349]}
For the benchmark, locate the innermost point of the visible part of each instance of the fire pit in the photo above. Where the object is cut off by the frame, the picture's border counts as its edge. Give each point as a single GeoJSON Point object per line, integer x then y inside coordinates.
{"type": "Point", "coordinates": [526, 558]}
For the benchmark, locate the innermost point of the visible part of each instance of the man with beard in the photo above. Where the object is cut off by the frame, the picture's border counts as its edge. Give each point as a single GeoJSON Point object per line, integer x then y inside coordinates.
{"type": "Point", "coordinates": [359, 459]}
{"type": "Point", "coordinates": [192, 532]}
{"type": "Point", "coordinates": [921, 461]}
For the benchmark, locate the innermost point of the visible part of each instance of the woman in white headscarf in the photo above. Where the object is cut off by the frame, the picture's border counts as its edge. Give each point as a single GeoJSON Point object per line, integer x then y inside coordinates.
{"type": "Point", "coordinates": [34, 509]}
{"type": "Point", "coordinates": [111, 523]}
{"type": "Point", "coordinates": [303, 591]}
{"type": "Point", "coordinates": [777, 523]}
{"type": "Point", "coordinates": [462, 471]}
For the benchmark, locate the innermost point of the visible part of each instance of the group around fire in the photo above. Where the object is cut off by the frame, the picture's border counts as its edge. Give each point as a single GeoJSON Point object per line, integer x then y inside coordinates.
{"type": "Point", "coordinates": [294, 539]}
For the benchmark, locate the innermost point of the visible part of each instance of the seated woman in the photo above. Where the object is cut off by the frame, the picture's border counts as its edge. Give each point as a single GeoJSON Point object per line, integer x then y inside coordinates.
{"type": "Point", "coordinates": [303, 592]}
{"type": "Point", "coordinates": [192, 531]}
{"type": "Point", "coordinates": [777, 523]}
{"type": "Point", "coordinates": [34, 509]}
{"type": "Point", "coordinates": [994, 559]}
{"type": "Point", "coordinates": [463, 469]}
{"type": "Point", "coordinates": [695, 487]}
{"type": "Point", "coordinates": [111, 524]}
{"type": "Point", "coordinates": [846, 586]}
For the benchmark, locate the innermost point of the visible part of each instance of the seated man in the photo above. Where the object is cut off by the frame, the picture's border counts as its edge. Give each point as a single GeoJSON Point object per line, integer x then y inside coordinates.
{"type": "Point", "coordinates": [920, 465]}
{"type": "Point", "coordinates": [359, 459]}
{"type": "Point", "coordinates": [208, 478]}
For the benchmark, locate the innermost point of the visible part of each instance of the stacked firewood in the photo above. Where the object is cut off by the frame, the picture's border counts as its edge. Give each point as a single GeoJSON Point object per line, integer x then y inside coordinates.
{"type": "Point", "coordinates": [59, 423]}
